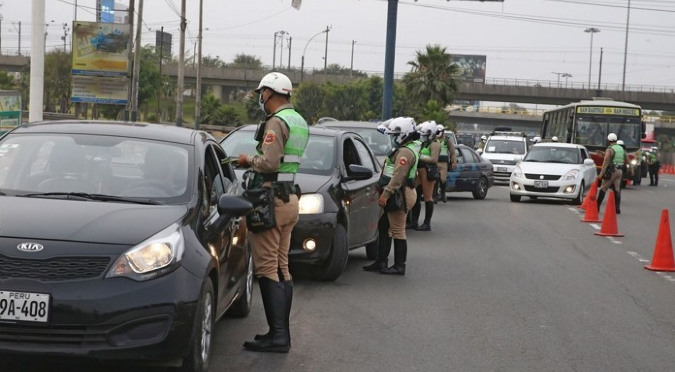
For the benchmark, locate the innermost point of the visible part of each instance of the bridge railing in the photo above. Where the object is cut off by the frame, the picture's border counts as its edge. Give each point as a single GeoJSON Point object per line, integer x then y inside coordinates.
{"type": "Point", "coordinates": [578, 85]}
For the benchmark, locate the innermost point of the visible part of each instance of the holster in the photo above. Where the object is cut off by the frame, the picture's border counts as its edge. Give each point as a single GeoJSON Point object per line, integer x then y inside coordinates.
{"type": "Point", "coordinates": [283, 191]}
{"type": "Point", "coordinates": [262, 217]}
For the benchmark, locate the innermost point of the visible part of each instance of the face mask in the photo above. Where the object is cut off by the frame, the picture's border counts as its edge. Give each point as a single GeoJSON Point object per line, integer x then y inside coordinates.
{"type": "Point", "coordinates": [261, 102]}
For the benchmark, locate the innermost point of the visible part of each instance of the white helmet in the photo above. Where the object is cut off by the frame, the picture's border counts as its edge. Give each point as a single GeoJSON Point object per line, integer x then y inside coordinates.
{"type": "Point", "coordinates": [440, 130]}
{"type": "Point", "coordinates": [401, 129]}
{"type": "Point", "coordinates": [536, 139]}
{"type": "Point", "coordinates": [483, 137]}
{"type": "Point", "coordinates": [619, 142]}
{"type": "Point", "coordinates": [276, 81]}
{"type": "Point", "coordinates": [611, 137]}
{"type": "Point", "coordinates": [428, 130]}
{"type": "Point", "coordinates": [554, 139]}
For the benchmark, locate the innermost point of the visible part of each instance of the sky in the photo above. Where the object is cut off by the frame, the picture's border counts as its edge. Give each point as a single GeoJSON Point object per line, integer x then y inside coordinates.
{"type": "Point", "coordinates": [522, 39]}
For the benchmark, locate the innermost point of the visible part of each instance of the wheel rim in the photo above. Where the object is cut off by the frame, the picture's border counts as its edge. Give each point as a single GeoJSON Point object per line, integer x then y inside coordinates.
{"type": "Point", "coordinates": [483, 186]}
{"type": "Point", "coordinates": [249, 281]}
{"type": "Point", "coordinates": [206, 326]}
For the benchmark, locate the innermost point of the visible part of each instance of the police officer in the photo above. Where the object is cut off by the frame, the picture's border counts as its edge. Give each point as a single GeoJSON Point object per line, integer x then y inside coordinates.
{"type": "Point", "coordinates": [427, 175]}
{"type": "Point", "coordinates": [398, 176]}
{"type": "Point", "coordinates": [481, 144]}
{"type": "Point", "coordinates": [612, 171]}
{"type": "Point", "coordinates": [653, 166]}
{"type": "Point", "coordinates": [282, 139]}
{"type": "Point", "coordinates": [447, 155]}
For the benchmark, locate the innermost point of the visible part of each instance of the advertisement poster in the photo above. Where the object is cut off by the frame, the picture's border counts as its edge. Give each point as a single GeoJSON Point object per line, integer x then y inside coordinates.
{"type": "Point", "coordinates": [471, 67]}
{"type": "Point", "coordinates": [10, 111]}
{"type": "Point", "coordinates": [101, 49]}
{"type": "Point", "coordinates": [100, 89]}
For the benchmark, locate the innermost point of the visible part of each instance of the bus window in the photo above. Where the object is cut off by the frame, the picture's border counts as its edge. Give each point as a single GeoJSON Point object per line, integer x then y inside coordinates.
{"type": "Point", "coordinates": [591, 130]}
{"type": "Point", "coordinates": [627, 129]}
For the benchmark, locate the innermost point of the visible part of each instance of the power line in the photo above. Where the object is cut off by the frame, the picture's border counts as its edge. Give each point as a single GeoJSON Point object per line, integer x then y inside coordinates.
{"type": "Point", "coordinates": [612, 6]}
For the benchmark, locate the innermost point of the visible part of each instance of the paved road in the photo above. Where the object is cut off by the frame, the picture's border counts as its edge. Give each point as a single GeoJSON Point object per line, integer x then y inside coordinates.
{"type": "Point", "coordinates": [496, 286]}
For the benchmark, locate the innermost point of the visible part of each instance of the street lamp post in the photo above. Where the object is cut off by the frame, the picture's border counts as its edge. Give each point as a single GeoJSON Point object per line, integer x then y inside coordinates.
{"type": "Point", "coordinates": [566, 75]}
{"type": "Point", "coordinates": [625, 50]}
{"type": "Point", "coordinates": [351, 67]}
{"type": "Point", "coordinates": [302, 63]}
{"type": "Point", "coordinates": [591, 30]}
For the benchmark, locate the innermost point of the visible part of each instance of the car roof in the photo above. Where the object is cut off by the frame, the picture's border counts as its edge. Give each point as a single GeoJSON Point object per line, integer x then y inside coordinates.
{"type": "Point", "coordinates": [556, 144]}
{"type": "Point", "coordinates": [349, 124]}
{"type": "Point", "coordinates": [313, 130]}
{"type": "Point", "coordinates": [159, 132]}
{"type": "Point", "coordinates": [508, 138]}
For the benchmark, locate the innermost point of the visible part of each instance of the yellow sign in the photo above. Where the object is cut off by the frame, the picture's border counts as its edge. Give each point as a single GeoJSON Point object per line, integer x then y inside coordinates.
{"type": "Point", "coordinates": [608, 111]}
{"type": "Point", "coordinates": [101, 49]}
{"type": "Point", "coordinates": [110, 90]}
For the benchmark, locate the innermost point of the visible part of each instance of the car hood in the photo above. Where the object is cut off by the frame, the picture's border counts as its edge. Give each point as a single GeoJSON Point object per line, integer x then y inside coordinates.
{"type": "Point", "coordinates": [309, 183]}
{"type": "Point", "coordinates": [84, 221]}
{"type": "Point", "coordinates": [493, 156]}
{"type": "Point", "coordinates": [547, 168]}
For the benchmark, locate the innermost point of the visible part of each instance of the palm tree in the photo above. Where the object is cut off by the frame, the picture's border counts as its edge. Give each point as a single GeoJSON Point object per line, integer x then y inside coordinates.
{"type": "Point", "coordinates": [210, 107]}
{"type": "Point", "coordinates": [432, 76]}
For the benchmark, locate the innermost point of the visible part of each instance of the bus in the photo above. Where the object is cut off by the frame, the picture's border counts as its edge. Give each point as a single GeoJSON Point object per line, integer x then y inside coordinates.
{"type": "Point", "coordinates": [589, 122]}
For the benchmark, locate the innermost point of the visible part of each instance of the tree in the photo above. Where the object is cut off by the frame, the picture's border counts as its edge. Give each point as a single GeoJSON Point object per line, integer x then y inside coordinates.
{"type": "Point", "coordinates": [208, 61]}
{"type": "Point", "coordinates": [227, 116]}
{"type": "Point", "coordinates": [432, 76]}
{"type": "Point", "coordinates": [346, 102]}
{"type": "Point", "coordinates": [309, 101]}
{"type": "Point", "coordinates": [246, 61]}
{"type": "Point", "coordinates": [57, 80]}
{"type": "Point", "coordinates": [210, 108]}
{"type": "Point", "coordinates": [433, 110]}
{"type": "Point", "coordinates": [7, 81]}
{"type": "Point", "coordinates": [253, 111]}
{"type": "Point", "coordinates": [336, 69]}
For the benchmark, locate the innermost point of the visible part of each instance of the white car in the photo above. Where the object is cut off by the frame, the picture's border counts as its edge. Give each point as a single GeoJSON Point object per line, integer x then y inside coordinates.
{"type": "Point", "coordinates": [553, 170]}
{"type": "Point", "coordinates": [504, 150]}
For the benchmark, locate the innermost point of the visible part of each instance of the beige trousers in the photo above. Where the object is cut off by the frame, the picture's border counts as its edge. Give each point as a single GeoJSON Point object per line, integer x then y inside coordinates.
{"type": "Point", "coordinates": [270, 248]}
{"type": "Point", "coordinates": [615, 181]}
{"type": "Point", "coordinates": [397, 218]}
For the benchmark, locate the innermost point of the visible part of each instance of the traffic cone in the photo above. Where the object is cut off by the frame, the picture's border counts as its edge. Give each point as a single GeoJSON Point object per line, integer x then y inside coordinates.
{"type": "Point", "coordinates": [591, 214]}
{"type": "Point", "coordinates": [662, 259]}
{"type": "Point", "coordinates": [609, 227]}
{"type": "Point", "coordinates": [592, 191]}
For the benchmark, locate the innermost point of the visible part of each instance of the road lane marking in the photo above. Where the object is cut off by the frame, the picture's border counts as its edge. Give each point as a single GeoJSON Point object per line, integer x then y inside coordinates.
{"type": "Point", "coordinates": [638, 257]}
{"type": "Point", "coordinates": [595, 226]}
{"type": "Point", "coordinates": [614, 240]}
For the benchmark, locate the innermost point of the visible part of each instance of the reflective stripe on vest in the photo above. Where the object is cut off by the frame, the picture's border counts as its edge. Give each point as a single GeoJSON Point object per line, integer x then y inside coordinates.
{"type": "Point", "coordinates": [389, 165]}
{"type": "Point", "coordinates": [619, 154]}
{"type": "Point", "coordinates": [297, 140]}
{"type": "Point", "coordinates": [444, 146]}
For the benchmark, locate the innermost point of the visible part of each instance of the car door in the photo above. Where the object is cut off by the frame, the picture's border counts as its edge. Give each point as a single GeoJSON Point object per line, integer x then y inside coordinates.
{"type": "Point", "coordinates": [358, 195]}
{"type": "Point", "coordinates": [371, 213]}
{"type": "Point", "coordinates": [453, 175]}
{"type": "Point", "coordinates": [588, 171]}
{"type": "Point", "coordinates": [216, 233]}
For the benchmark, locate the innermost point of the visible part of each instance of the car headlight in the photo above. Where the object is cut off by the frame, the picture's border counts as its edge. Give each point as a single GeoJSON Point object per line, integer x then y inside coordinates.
{"type": "Point", "coordinates": [517, 172]}
{"type": "Point", "coordinates": [633, 162]}
{"type": "Point", "coordinates": [571, 175]}
{"type": "Point", "coordinates": [154, 257]}
{"type": "Point", "coordinates": [311, 204]}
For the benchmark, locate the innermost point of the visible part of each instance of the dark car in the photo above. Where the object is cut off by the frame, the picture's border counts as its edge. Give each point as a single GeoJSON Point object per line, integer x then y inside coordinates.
{"type": "Point", "coordinates": [114, 43]}
{"type": "Point", "coordinates": [119, 241]}
{"type": "Point", "coordinates": [473, 173]}
{"type": "Point", "coordinates": [466, 139]}
{"type": "Point", "coordinates": [339, 208]}
{"type": "Point", "coordinates": [379, 143]}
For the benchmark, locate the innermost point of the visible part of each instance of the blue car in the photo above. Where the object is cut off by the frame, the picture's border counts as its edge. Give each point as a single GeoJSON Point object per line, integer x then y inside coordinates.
{"type": "Point", "coordinates": [473, 173]}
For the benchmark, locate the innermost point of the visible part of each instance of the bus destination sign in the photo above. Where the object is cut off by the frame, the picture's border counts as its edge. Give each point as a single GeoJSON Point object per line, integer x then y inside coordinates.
{"type": "Point", "coordinates": [608, 111]}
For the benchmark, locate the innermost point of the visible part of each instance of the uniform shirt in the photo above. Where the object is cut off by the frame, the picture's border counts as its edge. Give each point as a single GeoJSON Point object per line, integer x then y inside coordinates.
{"type": "Point", "coordinates": [609, 159]}
{"type": "Point", "coordinates": [435, 150]}
{"type": "Point", "coordinates": [403, 161]}
{"type": "Point", "coordinates": [272, 147]}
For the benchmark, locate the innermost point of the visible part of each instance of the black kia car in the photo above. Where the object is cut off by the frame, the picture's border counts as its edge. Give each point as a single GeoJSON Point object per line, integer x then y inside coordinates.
{"type": "Point", "coordinates": [119, 241]}
{"type": "Point", "coordinates": [339, 211]}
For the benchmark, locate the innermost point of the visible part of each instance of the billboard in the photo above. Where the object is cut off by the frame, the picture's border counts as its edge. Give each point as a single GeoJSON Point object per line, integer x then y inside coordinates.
{"type": "Point", "coordinates": [163, 40]}
{"type": "Point", "coordinates": [121, 13]}
{"type": "Point", "coordinates": [107, 11]}
{"type": "Point", "coordinates": [101, 49]}
{"type": "Point", "coordinates": [109, 90]}
{"type": "Point", "coordinates": [471, 67]}
{"type": "Point", "coordinates": [10, 110]}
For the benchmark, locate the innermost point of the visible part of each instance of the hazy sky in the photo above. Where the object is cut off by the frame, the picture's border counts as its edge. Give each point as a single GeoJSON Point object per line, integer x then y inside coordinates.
{"type": "Point", "coordinates": [523, 39]}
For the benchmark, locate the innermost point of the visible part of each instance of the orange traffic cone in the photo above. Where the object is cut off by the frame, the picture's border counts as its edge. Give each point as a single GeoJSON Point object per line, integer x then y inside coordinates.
{"type": "Point", "coordinates": [591, 214]}
{"type": "Point", "coordinates": [663, 251]}
{"type": "Point", "coordinates": [592, 191]}
{"type": "Point", "coordinates": [609, 227]}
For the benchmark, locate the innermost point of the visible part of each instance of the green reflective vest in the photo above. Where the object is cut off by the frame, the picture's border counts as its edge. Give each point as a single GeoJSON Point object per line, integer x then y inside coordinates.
{"type": "Point", "coordinates": [297, 140]}
{"type": "Point", "coordinates": [444, 146]}
{"type": "Point", "coordinates": [389, 165]}
{"type": "Point", "coordinates": [619, 154]}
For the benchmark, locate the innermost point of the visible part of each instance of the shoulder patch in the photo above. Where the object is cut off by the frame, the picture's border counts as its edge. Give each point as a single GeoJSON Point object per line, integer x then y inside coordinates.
{"type": "Point", "coordinates": [403, 161]}
{"type": "Point", "coordinates": [270, 136]}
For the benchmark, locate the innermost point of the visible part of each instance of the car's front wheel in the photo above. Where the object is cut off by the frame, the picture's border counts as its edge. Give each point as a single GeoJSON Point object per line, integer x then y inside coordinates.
{"type": "Point", "coordinates": [580, 196]}
{"type": "Point", "coordinates": [481, 189]}
{"type": "Point", "coordinates": [515, 198]}
{"type": "Point", "coordinates": [333, 267]}
{"type": "Point", "coordinates": [202, 332]}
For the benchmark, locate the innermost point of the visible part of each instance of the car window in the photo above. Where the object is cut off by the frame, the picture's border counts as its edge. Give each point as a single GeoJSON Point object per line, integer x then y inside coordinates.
{"type": "Point", "coordinates": [547, 154]}
{"type": "Point", "coordinates": [213, 182]}
{"type": "Point", "coordinates": [460, 157]}
{"type": "Point", "coordinates": [380, 144]}
{"type": "Point", "coordinates": [229, 178]}
{"type": "Point", "coordinates": [366, 160]}
{"type": "Point", "coordinates": [467, 156]}
{"type": "Point", "coordinates": [584, 154]}
{"type": "Point", "coordinates": [505, 147]}
{"type": "Point", "coordinates": [349, 153]}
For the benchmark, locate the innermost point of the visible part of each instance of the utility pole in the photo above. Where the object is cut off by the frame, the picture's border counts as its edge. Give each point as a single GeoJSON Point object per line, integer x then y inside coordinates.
{"type": "Point", "coordinates": [130, 97]}
{"type": "Point", "coordinates": [290, 40]}
{"type": "Point", "coordinates": [389, 55]}
{"type": "Point", "coordinates": [0, 32]}
{"type": "Point", "coordinates": [159, 83]}
{"type": "Point", "coordinates": [198, 100]}
{"type": "Point", "coordinates": [625, 50]}
{"type": "Point", "coordinates": [37, 65]}
{"type": "Point", "coordinates": [281, 48]}
{"type": "Point", "coordinates": [325, 56]}
{"type": "Point", "coordinates": [65, 36]}
{"type": "Point", "coordinates": [181, 67]}
{"type": "Point", "coordinates": [274, 51]}
{"type": "Point", "coordinates": [19, 31]}
{"type": "Point", "coordinates": [591, 30]}
{"type": "Point", "coordinates": [600, 73]}
{"type": "Point", "coordinates": [351, 66]}
{"type": "Point", "coordinates": [137, 64]}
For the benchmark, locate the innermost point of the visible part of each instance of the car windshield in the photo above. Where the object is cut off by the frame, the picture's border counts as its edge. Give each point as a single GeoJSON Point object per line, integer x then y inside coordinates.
{"type": "Point", "coordinates": [319, 156]}
{"type": "Point", "coordinates": [94, 164]}
{"type": "Point", "coordinates": [379, 143]}
{"type": "Point", "coordinates": [549, 154]}
{"type": "Point", "coordinates": [505, 147]}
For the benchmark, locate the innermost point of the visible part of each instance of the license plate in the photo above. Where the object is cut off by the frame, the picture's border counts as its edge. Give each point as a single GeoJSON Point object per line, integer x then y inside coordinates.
{"type": "Point", "coordinates": [540, 184]}
{"type": "Point", "coordinates": [501, 169]}
{"type": "Point", "coordinates": [24, 306]}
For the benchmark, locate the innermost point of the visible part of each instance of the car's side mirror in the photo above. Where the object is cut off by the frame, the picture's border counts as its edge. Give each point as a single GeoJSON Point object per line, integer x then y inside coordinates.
{"type": "Point", "coordinates": [358, 173]}
{"type": "Point", "coordinates": [589, 161]}
{"type": "Point", "coordinates": [233, 206]}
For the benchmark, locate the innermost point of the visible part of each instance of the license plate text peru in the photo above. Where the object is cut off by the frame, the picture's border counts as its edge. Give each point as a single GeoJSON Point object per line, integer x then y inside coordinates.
{"type": "Point", "coordinates": [541, 184]}
{"type": "Point", "coordinates": [23, 306]}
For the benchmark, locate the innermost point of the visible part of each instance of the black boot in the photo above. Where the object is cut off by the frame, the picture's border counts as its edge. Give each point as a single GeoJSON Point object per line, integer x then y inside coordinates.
{"type": "Point", "coordinates": [617, 202]}
{"type": "Point", "coordinates": [414, 216]}
{"type": "Point", "coordinates": [383, 249]}
{"type": "Point", "coordinates": [601, 197]}
{"type": "Point", "coordinates": [400, 255]}
{"type": "Point", "coordinates": [441, 191]}
{"type": "Point", "coordinates": [428, 213]}
{"type": "Point", "coordinates": [274, 302]}
{"type": "Point", "coordinates": [288, 295]}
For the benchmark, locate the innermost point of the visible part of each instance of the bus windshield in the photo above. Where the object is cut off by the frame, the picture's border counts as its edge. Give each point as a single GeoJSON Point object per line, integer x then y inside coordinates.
{"type": "Point", "coordinates": [592, 130]}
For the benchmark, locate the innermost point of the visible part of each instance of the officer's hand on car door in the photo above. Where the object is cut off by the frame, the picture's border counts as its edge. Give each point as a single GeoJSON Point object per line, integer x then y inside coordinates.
{"type": "Point", "coordinates": [382, 201]}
